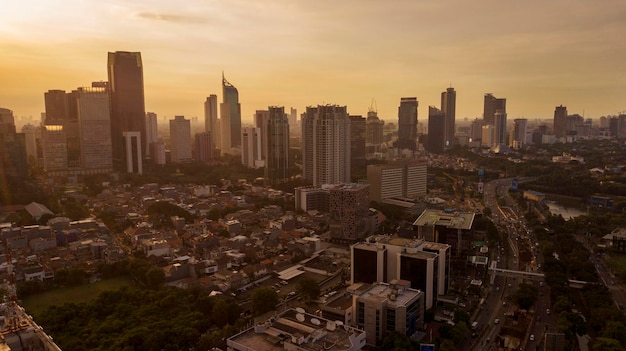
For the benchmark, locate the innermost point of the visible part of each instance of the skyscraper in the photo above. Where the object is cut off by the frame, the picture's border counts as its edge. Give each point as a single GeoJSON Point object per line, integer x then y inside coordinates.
{"type": "Point", "coordinates": [491, 106]}
{"type": "Point", "coordinates": [374, 128]}
{"type": "Point", "coordinates": [152, 132]}
{"type": "Point", "coordinates": [560, 121]}
{"type": "Point", "coordinates": [210, 120]}
{"type": "Point", "coordinates": [128, 111]}
{"type": "Point", "coordinates": [13, 162]}
{"type": "Point", "coordinates": [251, 147]}
{"type": "Point", "coordinates": [203, 147]}
{"type": "Point", "coordinates": [326, 145]}
{"type": "Point", "coordinates": [357, 145]}
{"type": "Point", "coordinates": [436, 130]}
{"type": "Point", "coordinates": [276, 138]}
{"type": "Point", "coordinates": [348, 205]}
{"type": "Point", "coordinates": [94, 124]}
{"type": "Point", "coordinates": [500, 128]}
{"type": "Point", "coordinates": [260, 121]}
{"type": "Point", "coordinates": [180, 139]}
{"type": "Point", "coordinates": [448, 106]}
{"type": "Point", "coordinates": [230, 112]}
{"type": "Point", "coordinates": [407, 124]}
{"type": "Point", "coordinates": [519, 132]}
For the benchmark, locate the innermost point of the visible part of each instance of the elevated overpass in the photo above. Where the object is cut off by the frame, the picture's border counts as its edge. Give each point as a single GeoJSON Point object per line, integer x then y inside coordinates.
{"type": "Point", "coordinates": [538, 277]}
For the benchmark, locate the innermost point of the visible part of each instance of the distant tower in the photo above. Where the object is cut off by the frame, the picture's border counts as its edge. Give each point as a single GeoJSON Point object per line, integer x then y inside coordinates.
{"type": "Point", "coordinates": [326, 145]}
{"type": "Point", "coordinates": [260, 121]}
{"type": "Point", "coordinates": [203, 147]}
{"type": "Point", "coordinates": [357, 145]}
{"type": "Point", "coordinates": [500, 128]}
{"type": "Point", "coordinates": [436, 130]}
{"type": "Point", "coordinates": [519, 132]}
{"type": "Point", "coordinates": [448, 106]}
{"type": "Point", "coordinates": [13, 161]}
{"type": "Point", "coordinates": [276, 138]}
{"type": "Point", "coordinates": [230, 112]}
{"type": "Point", "coordinates": [407, 124]}
{"type": "Point", "coordinates": [488, 136]}
{"type": "Point", "coordinates": [491, 106]}
{"type": "Point", "coordinates": [180, 139]}
{"type": "Point", "coordinates": [560, 121]}
{"type": "Point", "coordinates": [128, 112]}
{"type": "Point", "coordinates": [251, 147]}
{"type": "Point", "coordinates": [94, 121]}
{"type": "Point", "coordinates": [374, 128]}
{"type": "Point", "coordinates": [210, 120]}
{"type": "Point", "coordinates": [152, 132]}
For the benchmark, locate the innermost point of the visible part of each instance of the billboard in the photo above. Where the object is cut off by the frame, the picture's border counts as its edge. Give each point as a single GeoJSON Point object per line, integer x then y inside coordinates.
{"type": "Point", "coordinates": [514, 184]}
{"type": "Point", "coordinates": [427, 347]}
{"type": "Point", "coordinates": [481, 173]}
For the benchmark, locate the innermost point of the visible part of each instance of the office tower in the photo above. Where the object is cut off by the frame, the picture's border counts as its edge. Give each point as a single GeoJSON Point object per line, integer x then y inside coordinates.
{"type": "Point", "coordinates": [374, 128]}
{"type": "Point", "coordinates": [560, 121]}
{"type": "Point", "coordinates": [446, 227]}
{"type": "Point", "coordinates": [251, 147]}
{"type": "Point", "coordinates": [311, 198]}
{"type": "Point", "coordinates": [54, 146]}
{"type": "Point", "coordinates": [476, 129]}
{"type": "Point", "coordinates": [500, 128]}
{"type": "Point", "coordinates": [152, 132]}
{"type": "Point", "coordinates": [158, 153]}
{"type": "Point", "coordinates": [491, 106]}
{"type": "Point", "coordinates": [489, 135]}
{"type": "Point", "coordinates": [94, 122]}
{"type": "Point", "coordinates": [230, 112]}
{"type": "Point", "coordinates": [397, 180]}
{"type": "Point", "coordinates": [13, 161]}
{"type": "Point", "coordinates": [357, 145]}
{"type": "Point", "coordinates": [604, 122]}
{"type": "Point", "coordinates": [293, 121]}
{"type": "Point", "coordinates": [128, 112]}
{"type": "Point", "coordinates": [260, 121]}
{"type": "Point", "coordinates": [326, 145]}
{"type": "Point", "coordinates": [407, 124]}
{"type": "Point", "coordinates": [519, 132]}
{"type": "Point", "coordinates": [61, 110]}
{"type": "Point", "coordinates": [426, 265]}
{"type": "Point", "coordinates": [348, 205]}
{"type": "Point", "coordinates": [180, 139]}
{"type": "Point", "coordinates": [383, 309]}
{"type": "Point", "coordinates": [277, 141]}
{"type": "Point", "coordinates": [203, 147]}
{"type": "Point", "coordinates": [56, 107]}
{"type": "Point", "coordinates": [448, 106]}
{"type": "Point", "coordinates": [210, 120]}
{"type": "Point", "coordinates": [621, 126]}
{"type": "Point", "coordinates": [32, 136]}
{"type": "Point", "coordinates": [436, 130]}
{"type": "Point", "coordinates": [571, 122]}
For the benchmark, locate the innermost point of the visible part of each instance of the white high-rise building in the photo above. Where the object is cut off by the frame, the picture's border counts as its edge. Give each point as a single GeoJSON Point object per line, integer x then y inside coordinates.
{"type": "Point", "coordinates": [488, 137]}
{"type": "Point", "coordinates": [251, 147]}
{"type": "Point", "coordinates": [326, 145]}
{"type": "Point", "coordinates": [180, 139]}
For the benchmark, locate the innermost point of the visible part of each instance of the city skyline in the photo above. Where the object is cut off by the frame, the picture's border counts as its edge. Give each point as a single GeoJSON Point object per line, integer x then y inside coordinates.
{"type": "Point", "coordinates": [549, 54]}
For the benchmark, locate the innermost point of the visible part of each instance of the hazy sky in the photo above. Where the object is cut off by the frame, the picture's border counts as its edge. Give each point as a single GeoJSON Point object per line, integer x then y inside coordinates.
{"type": "Point", "coordinates": [296, 53]}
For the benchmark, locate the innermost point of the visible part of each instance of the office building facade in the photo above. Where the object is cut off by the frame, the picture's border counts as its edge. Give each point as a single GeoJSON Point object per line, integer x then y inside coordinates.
{"type": "Point", "coordinates": [276, 139]}
{"type": "Point", "coordinates": [180, 140]}
{"type": "Point", "coordinates": [326, 145]}
{"type": "Point", "coordinates": [407, 124]}
{"type": "Point", "coordinates": [560, 121]}
{"type": "Point", "coordinates": [210, 120]}
{"type": "Point", "coordinates": [357, 145]}
{"type": "Point", "coordinates": [251, 147]}
{"type": "Point", "coordinates": [348, 205]}
{"type": "Point", "coordinates": [491, 106]}
{"type": "Point", "coordinates": [230, 113]}
{"type": "Point", "coordinates": [94, 121]}
{"type": "Point", "coordinates": [152, 132]}
{"type": "Point", "coordinates": [448, 107]}
{"type": "Point", "coordinates": [500, 128]}
{"type": "Point", "coordinates": [436, 130]}
{"type": "Point", "coordinates": [399, 180]}
{"type": "Point", "coordinates": [203, 147]}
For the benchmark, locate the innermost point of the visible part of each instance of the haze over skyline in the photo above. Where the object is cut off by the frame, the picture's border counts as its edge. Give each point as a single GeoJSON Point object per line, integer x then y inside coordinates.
{"type": "Point", "coordinates": [297, 53]}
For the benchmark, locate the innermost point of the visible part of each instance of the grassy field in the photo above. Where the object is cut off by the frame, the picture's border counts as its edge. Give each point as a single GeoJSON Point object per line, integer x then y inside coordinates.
{"type": "Point", "coordinates": [36, 304]}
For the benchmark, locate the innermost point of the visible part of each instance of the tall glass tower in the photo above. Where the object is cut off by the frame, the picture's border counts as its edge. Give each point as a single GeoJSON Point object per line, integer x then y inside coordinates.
{"type": "Point", "coordinates": [233, 112]}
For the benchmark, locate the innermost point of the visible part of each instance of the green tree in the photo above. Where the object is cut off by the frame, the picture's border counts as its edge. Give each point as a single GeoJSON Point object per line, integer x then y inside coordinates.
{"type": "Point", "coordinates": [396, 341]}
{"type": "Point", "coordinates": [525, 296]}
{"type": "Point", "coordinates": [606, 344]}
{"type": "Point", "coordinates": [308, 289]}
{"type": "Point", "coordinates": [155, 277]}
{"type": "Point", "coordinates": [263, 300]}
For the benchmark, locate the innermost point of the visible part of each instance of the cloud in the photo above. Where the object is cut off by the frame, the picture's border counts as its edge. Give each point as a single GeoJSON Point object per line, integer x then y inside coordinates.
{"type": "Point", "coordinates": [172, 18]}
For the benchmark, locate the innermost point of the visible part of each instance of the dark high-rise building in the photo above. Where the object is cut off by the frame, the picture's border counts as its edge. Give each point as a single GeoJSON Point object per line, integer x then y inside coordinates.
{"type": "Point", "coordinates": [500, 128]}
{"type": "Point", "coordinates": [210, 119]}
{"type": "Point", "coordinates": [276, 139]}
{"type": "Point", "coordinates": [374, 128]}
{"type": "Point", "coordinates": [560, 121]}
{"type": "Point", "coordinates": [492, 105]}
{"type": "Point", "coordinates": [407, 124]}
{"type": "Point", "coordinates": [203, 150]}
{"type": "Point", "coordinates": [13, 161]}
{"type": "Point", "coordinates": [448, 106]}
{"type": "Point", "coordinates": [357, 145]}
{"type": "Point", "coordinates": [128, 112]}
{"type": "Point", "coordinates": [231, 109]}
{"type": "Point", "coordinates": [436, 130]}
{"type": "Point", "coordinates": [56, 107]}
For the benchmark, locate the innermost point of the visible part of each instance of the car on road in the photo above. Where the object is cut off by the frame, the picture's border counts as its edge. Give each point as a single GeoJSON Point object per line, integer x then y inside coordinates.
{"type": "Point", "coordinates": [496, 321]}
{"type": "Point", "coordinates": [532, 337]}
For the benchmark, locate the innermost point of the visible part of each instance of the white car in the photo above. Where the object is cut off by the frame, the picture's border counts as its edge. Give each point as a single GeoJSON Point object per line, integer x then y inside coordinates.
{"type": "Point", "coordinates": [532, 337]}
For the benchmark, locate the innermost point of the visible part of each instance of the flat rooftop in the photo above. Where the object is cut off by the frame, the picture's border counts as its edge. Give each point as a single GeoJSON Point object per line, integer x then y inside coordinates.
{"type": "Point", "coordinates": [446, 218]}
{"type": "Point", "coordinates": [381, 292]}
{"type": "Point", "coordinates": [318, 334]}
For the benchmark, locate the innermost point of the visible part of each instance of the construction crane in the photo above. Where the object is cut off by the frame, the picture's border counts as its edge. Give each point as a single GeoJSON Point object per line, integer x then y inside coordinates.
{"type": "Point", "coordinates": [458, 190]}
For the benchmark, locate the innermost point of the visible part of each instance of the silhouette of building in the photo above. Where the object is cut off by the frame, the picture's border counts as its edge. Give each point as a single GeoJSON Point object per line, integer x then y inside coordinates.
{"type": "Point", "coordinates": [374, 128]}
{"type": "Point", "coordinates": [260, 121]}
{"type": "Point", "coordinates": [491, 106]}
{"type": "Point", "coordinates": [448, 106]}
{"type": "Point", "coordinates": [476, 129]}
{"type": "Point", "coordinates": [12, 147]}
{"type": "Point", "coordinates": [560, 121]}
{"type": "Point", "coordinates": [276, 139]}
{"type": "Point", "coordinates": [203, 147]}
{"type": "Point", "coordinates": [128, 112]}
{"type": "Point", "coordinates": [230, 115]}
{"type": "Point", "coordinates": [357, 145]}
{"type": "Point", "coordinates": [211, 119]}
{"type": "Point", "coordinates": [326, 145]}
{"type": "Point", "coordinates": [500, 128]}
{"type": "Point", "coordinates": [180, 139]}
{"type": "Point", "coordinates": [61, 110]}
{"type": "Point", "coordinates": [152, 132]}
{"type": "Point", "coordinates": [407, 124]}
{"type": "Point", "coordinates": [436, 130]}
